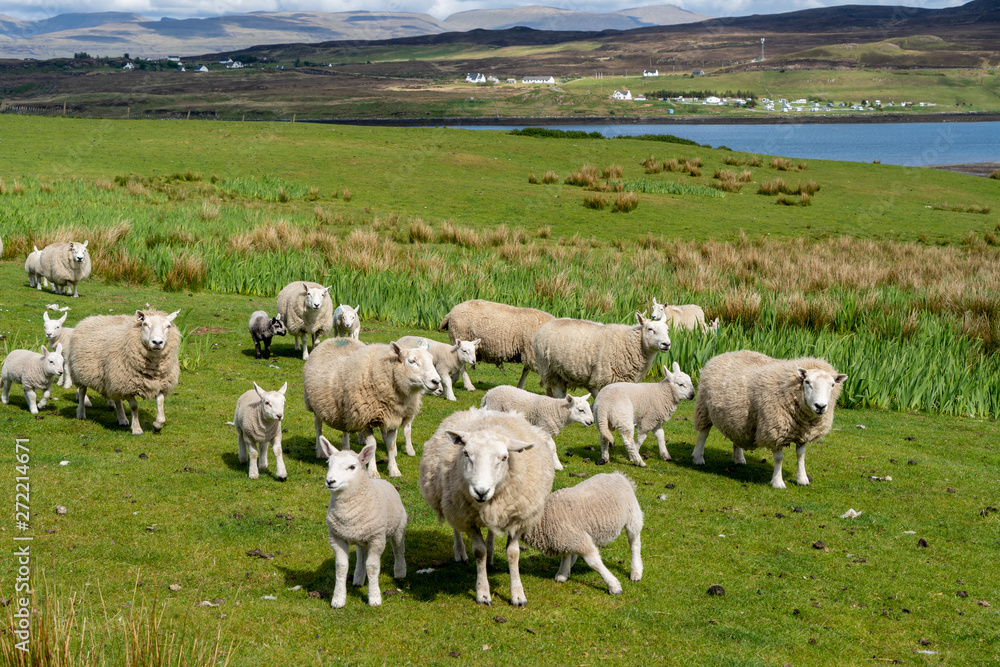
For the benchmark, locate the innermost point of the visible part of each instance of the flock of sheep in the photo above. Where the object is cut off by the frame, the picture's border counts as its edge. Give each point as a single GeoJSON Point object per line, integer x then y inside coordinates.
{"type": "Point", "coordinates": [490, 467]}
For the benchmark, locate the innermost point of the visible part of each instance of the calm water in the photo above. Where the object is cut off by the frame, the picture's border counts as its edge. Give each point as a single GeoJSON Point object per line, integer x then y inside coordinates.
{"type": "Point", "coordinates": [910, 144]}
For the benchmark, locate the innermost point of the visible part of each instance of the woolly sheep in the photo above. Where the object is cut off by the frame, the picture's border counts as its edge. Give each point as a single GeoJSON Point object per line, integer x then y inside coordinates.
{"type": "Point", "coordinates": [579, 353]}
{"type": "Point", "coordinates": [124, 357]}
{"type": "Point", "coordinates": [354, 387]}
{"type": "Point", "coordinates": [33, 371]}
{"type": "Point", "coordinates": [623, 406]}
{"type": "Point", "coordinates": [64, 265]}
{"type": "Point", "coordinates": [306, 308]}
{"type": "Point", "coordinates": [757, 401]}
{"type": "Point", "coordinates": [57, 334]}
{"type": "Point", "coordinates": [262, 328]}
{"type": "Point", "coordinates": [365, 512]}
{"type": "Point", "coordinates": [33, 267]}
{"type": "Point", "coordinates": [690, 317]}
{"type": "Point", "coordinates": [506, 333]}
{"type": "Point", "coordinates": [346, 323]}
{"type": "Point", "coordinates": [258, 422]}
{"type": "Point", "coordinates": [449, 360]}
{"type": "Point", "coordinates": [487, 469]}
{"type": "Point", "coordinates": [580, 519]}
{"type": "Point", "coordinates": [549, 414]}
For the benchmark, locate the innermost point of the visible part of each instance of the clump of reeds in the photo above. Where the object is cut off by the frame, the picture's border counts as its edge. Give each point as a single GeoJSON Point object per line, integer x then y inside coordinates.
{"type": "Point", "coordinates": [420, 232]}
{"type": "Point", "coordinates": [595, 201]}
{"type": "Point", "coordinates": [625, 202]}
{"type": "Point", "coordinates": [209, 211]}
{"type": "Point", "coordinates": [652, 165]}
{"type": "Point", "coordinates": [544, 232]}
{"type": "Point", "coordinates": [612, 171]}
{"type": "Point", "coordinates": [734, 160]}
{"type": "Point", "coordinates": [532, 179]}
{"type": "Point", "coordinates": [671, 165]}
{"type": "Point", "coordinates": [585, 176]}
{"type": "Point", "coordinates": [346, 195]}
{"type": "Point", "coordinates": [462, 236]}
{"type": "Point", "coordinates": [802, 200]}
{"type": "Point", "coordinates": [775, 187]}
{"type": "Point", "coordinates": [187, 272]}
{"type": "Point", "coordinates": [550, 177]}
{"type": "Point", "coordinates": [781, 164]}
{"type": "Point", "coordinates": [692, 167]}
{"type": "Point", "coordinates": [962, 208]}
{"type": "Point", "coordinates": [995, 174]}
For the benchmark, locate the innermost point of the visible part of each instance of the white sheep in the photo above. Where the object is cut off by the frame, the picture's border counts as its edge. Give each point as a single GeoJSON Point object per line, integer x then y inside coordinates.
{"type": "Point", "coordinates": [506, 333]}
{"type": "Point", "coordinates": [125, 356]}
{"type": "Point", "coordinates": [580, 519]}
{"type": "Point", "coordinates": [306, 308]}
{"type": "Point", "coordinates": [449, 360]}
{"type": "Point", "coordinates": [258, 423]}
{"type": "Point", "coordinates": [33, 267]}
{"type": "Point", "coordinates": [487, 469]}
{"type": "Point", "coordinates": [549, 414]}
{"type": "Point", "coordinates": [365, 512]}
{"type": "Point", "coordinates": [57, 334]}
{"type": "Point", "coordinates": [579, 353]}
{"type": "Point", "coordinates": [623, 406]}
{"type": "Point", "coordinates": [757, 401]}
{"type": "Point", "coordinates": [64, 265]}
{"type": "Point", "coordinates": [34, 372]}
{"type": "Point", "coordinates": [262, 329]}
{"type": "Point", "coordinates": [355, 387]}
{"type": "Point", "coordinates": [346, 323]}
{"type": "Point", "coordinates": [689, 317]}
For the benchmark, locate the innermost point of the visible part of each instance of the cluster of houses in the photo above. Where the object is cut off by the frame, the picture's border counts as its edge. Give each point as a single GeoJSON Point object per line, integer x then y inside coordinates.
{"type": "Point", "coordinates": [228, 63]}
{"type": "Point", "coordinates": [481, 78]}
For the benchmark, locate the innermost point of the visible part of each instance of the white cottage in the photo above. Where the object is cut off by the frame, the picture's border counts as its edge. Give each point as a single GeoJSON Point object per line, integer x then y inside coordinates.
{"type": "Point", "coordinates": [621, 95]}
{"type": "Point", "coordinates": [475, 78]}
{"type": "Point", "coordinates": [538, 79]}
{"type": "Point", "coordinates": [654, 72]}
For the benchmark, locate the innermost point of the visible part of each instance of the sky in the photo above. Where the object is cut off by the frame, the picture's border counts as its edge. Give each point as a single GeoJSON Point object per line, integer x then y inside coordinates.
{"type": "Point", "coordinates": [155, 9]}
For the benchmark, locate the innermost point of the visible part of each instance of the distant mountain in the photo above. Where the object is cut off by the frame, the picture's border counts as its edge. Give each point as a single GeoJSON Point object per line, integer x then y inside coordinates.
{"type": "Point", "coordinates": [549, 18]}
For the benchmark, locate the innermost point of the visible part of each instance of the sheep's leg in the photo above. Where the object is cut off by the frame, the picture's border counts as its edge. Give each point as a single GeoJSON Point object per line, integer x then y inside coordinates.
{"type": "Point", "coordinates": [81, 401]}
{"type": "Point", "coordinates": [739, 458]}
{"type": "Point", "coordinates": [776, 479]}
{"type": "Point", "coordinates": [256, 349]}
{"type": "Point", "coordinates": [318, 423]}
{"type": "Point", "coordinates": [592, 557]}
{"type": "Point", "coordinates": [262, 449]}
{"type": "Point", "coordinates": [565, 565]}
{"type": "Point", "coordinates": [698, 455]}
{"type": "Point", "coordinates": [120, 412]}
{"type": "Point", "coordinates": [298, 345]}
{"type": "Point", "coordinates": [161, 416]}
{"type": "Point", "coordinates": [555, 454]}
{"type": "Point", "coordinates": [605, 448]}
{"type": "Point", "coordinates": [482, 581]}
{"type": "Point", "coordinates": [516, 589]}
{"type": "Point", "coordinates": [67, 381]}
{"type": "Point", "coordinates": [558, 389]}
{"type": "Point", "coordinates": [29, 395]}
{"type": "Point", "coordinates": [628, 437]}
{"type": "Point", "coordinates": [279, 471]}
{"type": "Point", "coordinates": [254, 451]}
{"type": "Point", "coordinates": [369, 439]}
{"type": "Point", "coordinates": [661, 441]}
{"type": "Point", "coordinates": [5, 397]}
{"type": "Point", "coordinates": [134, 406]}
{"type": "Point", "coordinates": [75, 294]}
{"type": "Point", "coordinates": [524, 378]}
{"type": "Point", "coordinates": [340, 549]}
{"type": "Point", "coordinates": [801, 478]}
{"type": "Point", "coordinates": [373, 564]}
{"type": "Point", "coordinates": [449, 391]}
{"type": "Point", "coordinates": [399, 553]}
{"type": "Point", "coordinates": [360, 571]}
{"type": "Point", "coordinates": [458, 548]}
{"type": "Point", "coordinates": [305, 348]}
{"type": "Point", "coordinates": [633, 530]}
{"type": "Point", "coordinates": [491, 540]}
{"type": "Point", "coordinates": [46, 395]}
{"type": "Point", "coordinates": [244, 456]}
{"type": "Point", "coordinates": [389, 437]}
{"type": "Point", "coordinates": [466, 380]}
{"type": "Point", "coordinates": [267, 348]}
{"type": "Point", "coordinates": [408, 437]}
{"type": "Point", "coordinates": [345, 441]}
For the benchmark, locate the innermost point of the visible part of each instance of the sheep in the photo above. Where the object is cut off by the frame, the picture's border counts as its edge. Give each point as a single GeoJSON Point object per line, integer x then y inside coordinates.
{"type": "Point", "coordinates": [125, 356]}
{"type": "Point", "coordinates": [579, 353]}
{"type": "Point", "coordinates": [365, 512]}
{"type": "Point", "coordinates": [355, 387]}
{"type": "Point", "coordinates": [449, 360]}
{"type": "Point", "coordinates": [258, 422]}
{"type": "Point", "coordinates": [757, 401]}
{"type": "Point", "coordinates": [624, 405]}
{"type": "Point", "coordinates": [56, 333]}
{"type": "Point", "coordinates": [33, 267]}
{"type": "Point", "coordinates": [346, 323]}
{"type": "Point", "coordinates": [306, 308]}
{"type": "Point", "coordinates": [33, 371]}
{"type": "Point", "coordinates": [579, 519]}
{"type": "Point", "coordinates": [690, 317]}
{"type": "Point", "coordinates": [549, 414]}
{"type": "Point", "coordinates": [64, 265]}
{"type": "Point", "coordinates": [505, 333]}
{"type": "Point", "coordinates": [262, 329]}
{"type": "Point", "coordinates": [484, 468]}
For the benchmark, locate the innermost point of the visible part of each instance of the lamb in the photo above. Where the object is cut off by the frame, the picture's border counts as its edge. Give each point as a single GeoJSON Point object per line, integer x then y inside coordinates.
{"type": "Point", "coordinates": [579, 353]}
{"type": "Point", "coordinates": [33, 371]}
{"type": "Point", "coordinates": [57, 334]}
{"type": "Point", "coordinates": [757, 401]}
{"type": "Point", "coordinates": [505, 332]}
{"type": "Point", "coordinates": [579, 519]}
{"type": "Point", "coordinates": [65, 265]}
{"type": "Point", "coordinates": [549, 414]}
{"type": "Point", "coordinates": [690, 317]}
{"type": "Point", "coordinates": [346, 323]}
{"type": "Point", "coordinates": [306, 308]}
{"type": "Point", "coordinates": [125, 356]}
{"type": "Point", "coordinates": [33, 267]}
{"type": "Point", "coordinates": [624, 405]}
{"type": "Point", "coordinates": [262, 329]}
{"type": "Point", "coordinates": [258, 422]}
{"type": "Point", "coordinates": [355, 387]}
{"type": "Point", "coordinates": [449, 360]}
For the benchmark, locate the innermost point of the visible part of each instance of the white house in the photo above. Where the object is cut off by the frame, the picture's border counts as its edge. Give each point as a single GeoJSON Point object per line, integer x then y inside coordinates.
{"type": "Point", "coordinates": [801, 100]}
{"type": "Point", "coordinates": [654, 72]}
{"type": "Point", "coordinates": [201, 68]}
{"type": "Point", "coordinates": [712, 99]}
{"type": "Point", "coordinates": [511, 81]}
{"type": "Point", "coordinates": [174, 59]}
{"type": "Point", "coordinates": [475, 78]}
{"type": "Point", "coordinates": [639, 98]}
{"type": "Point", "coordinates": [621, 95]}
{"type": "Point", "coordinates": [492, 79]}
{"type": "Point", "coordinates": [538, 79]}
{"type": "Point", "coordinates": [128, 66]}
{"type": "Point", "coordinates": [235, 65]}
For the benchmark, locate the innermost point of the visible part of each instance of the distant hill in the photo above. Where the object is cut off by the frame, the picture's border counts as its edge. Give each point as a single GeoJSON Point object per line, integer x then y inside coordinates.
{"type": "Point", "coordinates": [549, 18]}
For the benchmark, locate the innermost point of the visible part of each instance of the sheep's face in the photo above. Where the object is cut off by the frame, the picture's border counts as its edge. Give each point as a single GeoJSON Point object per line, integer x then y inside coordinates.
{"type": "Point", "coordinates": [53, 361]}
{"type": "Point", "coordinates": [579, 410]}
{"type": "Point", "coordinates": [315, 296]}
{"type": "Point", "coordinates": [347, 316]}
{"type": "Point", "coordinates": [53, 327]}
{"type": "Point", "coordinates": [272, 402]}
{"type": "Point", "coordinates": [418, 368]}
{"type": "Point", "coordinates": [818, 388]}
{"type": "Point", "coordinates": [484, 460]}
{"type": "Point", "coordinates": [345, 468]}
{"type": "Point", "coordinates": [657, 312]}
{"type": "Point", "coordinates": [467, 351]}
{"type": "Point", "coordinates": [277, 326]}
{"type": "Point", "coordinates": [155, 328]}
{"type": "Point", "coordinates": [78, 251]}
{"type": "Point", "coordinates": [680, 382]}
{"type": "Point", "coordinates": [655, 334]}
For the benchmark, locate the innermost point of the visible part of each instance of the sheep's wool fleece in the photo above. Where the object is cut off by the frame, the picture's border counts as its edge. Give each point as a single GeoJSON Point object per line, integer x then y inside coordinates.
{"type": "Point", "coordinates": [548, 414]}
{"type": "Point", "coordinates": [108, 356]}
{"type": "Point", "coordinates": [367, 509]}
{"type": "Point", "coordinates": [57, 264]}
{"type": "Point", "coordinates": [518, 501]}
{"type": "Point", "coordinates": [755, 400]}
{"type": "Point", "coordinates": [599, 507]}
{"type": "Point", "coordinates": [26, 368]}
{"type": "Point", "coordinates": [249, 417]}
{"type": "Point", "coordinates": [591, 355]}
{"type": "Point", "coordinates": [299, 319]}
{"type": "Point", "coordinates": [642, 404]}
{"type": "Point", "coordinates": [506, 333]}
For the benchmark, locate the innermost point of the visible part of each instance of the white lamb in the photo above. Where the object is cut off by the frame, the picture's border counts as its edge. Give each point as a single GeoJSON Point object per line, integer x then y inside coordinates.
{"type": "Point", "coordinates": [690, 317]}
{"type": "Point", "coordinates": [365, 512]}
{"type": "Point", "coordinates": [623, 406]}
{"type": "Point", "coordinates": [579, 353]}
{"type": "Point", "coordinates": [355, 387]}
{"type": "Point", "coordinates": [580, 519]}
{"type": "Point", "coordinates": [551, 415]}
{"type": "Point", "coordinates": [506, 333]}
{"type": "Point", "coordinates": [306, 308]}
{"type": "Point", "coordinates": [57, 334]}
{"type": "Point", "coordinates": [33, 267]}
{"type": "Point", "coordinates": [449, 360]}
{"type": "Point", "coordinates": [258, 423]}
{"type": "Point", "coordinates": [757, 401]}
{"type": "Point", "coordinates": [65, 265]}
{"type": "Point", "coordinates": [125, 356]}
{"type": "Point", "coordinates": [346, 323]}
{"type": "Point", "coordinates": [34, 372]}
{"type": "Point", "coordinates": [487, 469]}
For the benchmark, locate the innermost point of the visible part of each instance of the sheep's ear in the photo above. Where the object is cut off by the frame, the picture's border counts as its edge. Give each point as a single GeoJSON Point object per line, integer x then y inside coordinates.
{"type": "Point", "coordinates": [569, 399]}
{"type": "Point", "coordinates": [58, 349]}
{"type": "Point", "coordinates": [140, 316]}
{"type": "Point", "coordinates": [45, 351]}
{"type": "Point", "coordinates": [585, 398]}
{"type": "Point", "coordinates": [36, 249]}
{"type": "Point", "coordinates": [85, 243]}
{"type": "Point", "coordinates": [456, 347]}
{"type": "Point", "coordinates": [840, 378]}
{"type": "Point", "coordinates": [45, 315]}
{"type": "Point", "coordinates": [397, 350]}
{"type": "Point", "coordinates": [477, 342]}
{"type": "Point", "coordinates": [676, 367]}
{"type": "Point", "coordinates": [654, 302]}
{"type": "Point", "coordinates": [457, 437]}
{"type": "Point", "coordinates": [305, 288]}
{"type": "Point", "coordinates": [515, 446]}
{"type": "Point", "coordinates": [357, 308]}
{"type": "Point", "coordinates": [171, 316]}
{"type": "Point", "coordinates": [326, 447]}
{"type": "Point", "coordinates": [283, 388]}
{"type": "Point", "coordinates": [327, 289]}
{"type": "Point", "coordinates": [63, 318]}
{"type": "Point", "coordinates": [366, 454]}
{"type": "Point", "coordinates": [667, 375]}
{"type": "Point", "coordinates": [278, 317]}
{"type": "Point", "coordinates": [802, 373]}
{"type": "Point", "coordinates": [256, 388]}
{"type": "Point", "coordinates": [639, 318]}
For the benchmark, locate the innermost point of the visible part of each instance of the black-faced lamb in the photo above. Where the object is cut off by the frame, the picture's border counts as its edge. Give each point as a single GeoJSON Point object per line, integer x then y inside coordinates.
{"type": "Point", "coordinates": [262, 329]}
{"type": "Point", "coordinates": [580, 519]}
{"type": "Point", "coordinates": [551, 415]}
{"type": "Point", "coordinates": [623, 406]}
{"type": "Point", "coordinates": [124, 357]}
{"type": "Point", "coordinates": [258, 423]}
{"type": "Point", "coordinates": [487, 469]}
{"type": "Point", "coordinates": [57, 334]}
{"type": "Point", "coordinates": [346, 323]}
{"type": "Point", "coordinates": [449, 360]}
{"type": "Point", "coordinates": [34, 372]}
{"type": "Point", "coordinates": [306, 308]}
{"type": "Point", "coordinates": [65, 265]}
{"type": "Point", "coordinates": [33, 267]}
{"type": "Point", "coordinates": [757, 401]}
